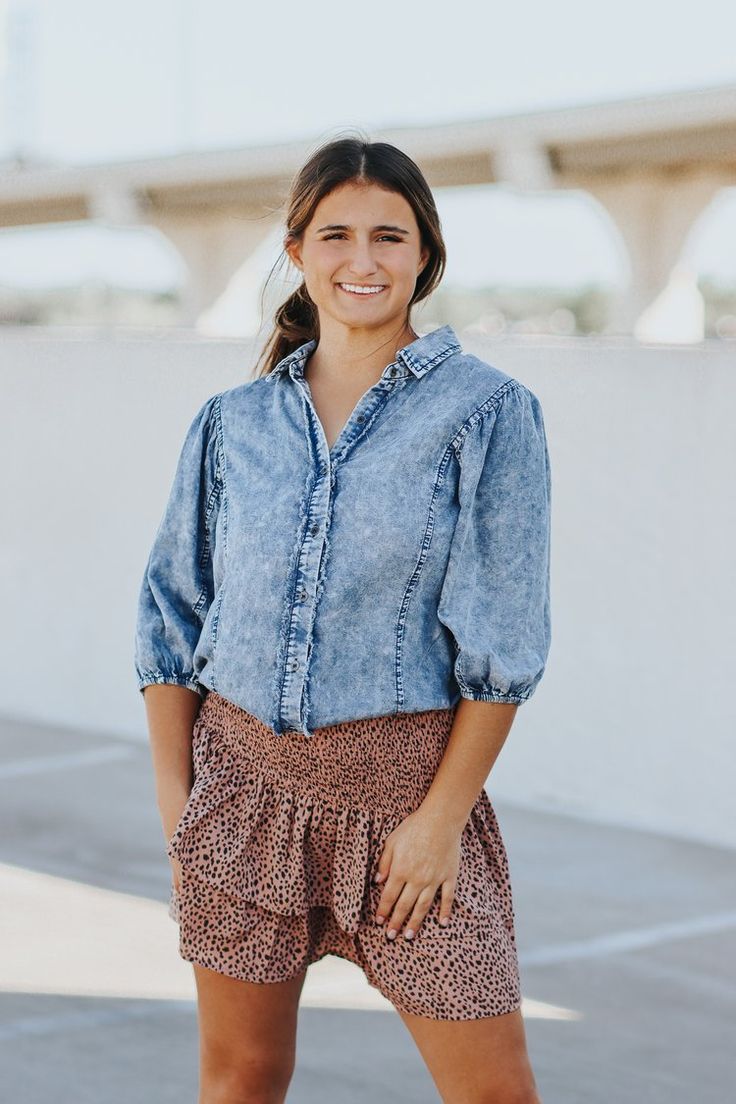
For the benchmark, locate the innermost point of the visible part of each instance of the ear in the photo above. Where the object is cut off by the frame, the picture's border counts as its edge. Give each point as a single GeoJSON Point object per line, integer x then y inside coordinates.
{"type": "Point", "coordinates": [293, 249]}
{"type": "Point", "coordinates": [424, 257]}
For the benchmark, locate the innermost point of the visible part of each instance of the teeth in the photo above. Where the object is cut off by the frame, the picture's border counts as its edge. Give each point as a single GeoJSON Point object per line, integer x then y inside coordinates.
{"type": "Point", "coordinates": [366, 290]}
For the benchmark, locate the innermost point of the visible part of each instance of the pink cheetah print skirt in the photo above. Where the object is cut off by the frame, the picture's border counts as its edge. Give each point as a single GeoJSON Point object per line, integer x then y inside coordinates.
{"type": "Point", "coordinates": [279, 842]}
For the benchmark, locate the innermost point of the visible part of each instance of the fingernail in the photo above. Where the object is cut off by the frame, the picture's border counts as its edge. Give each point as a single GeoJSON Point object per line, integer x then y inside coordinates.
{"type": "Point", "coordinates": [445, 921]}
{"type": "Point", "coordinates": [380, 919]}
{"type": "Point", "coordinates": [408, 933]}
{"type": "Point", "coordinates": [377, 877]}
{"type": "Point", "coordinates": [391, 933]}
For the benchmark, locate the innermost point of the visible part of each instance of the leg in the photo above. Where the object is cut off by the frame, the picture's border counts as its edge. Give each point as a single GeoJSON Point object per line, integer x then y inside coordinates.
{"type": "Point", "coordinates": [247, 1036]}
{"type": "Point", "coordinates": [481, 1061]}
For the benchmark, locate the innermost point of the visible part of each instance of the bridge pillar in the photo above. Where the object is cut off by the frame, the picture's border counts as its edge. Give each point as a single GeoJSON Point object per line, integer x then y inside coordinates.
{"type": "Point", "coordinates": [654, 213]}
{"type": "Point", "coordinates": [213, 246]}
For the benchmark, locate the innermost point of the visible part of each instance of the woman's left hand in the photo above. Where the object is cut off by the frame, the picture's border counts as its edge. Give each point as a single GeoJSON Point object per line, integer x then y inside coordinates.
{"type": "Point", "coordinates": [419, 857]}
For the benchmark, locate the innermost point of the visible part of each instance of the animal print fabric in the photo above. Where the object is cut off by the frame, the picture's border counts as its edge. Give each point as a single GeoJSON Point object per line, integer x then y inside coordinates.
{"type": "Point", "coordinates": [280, 839]}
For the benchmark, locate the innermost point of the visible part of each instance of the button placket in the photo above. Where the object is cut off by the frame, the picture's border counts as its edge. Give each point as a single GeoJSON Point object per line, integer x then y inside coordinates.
{"type": "Point", "coordinates": [309, 563]}
{"type": "Point", "coordinates": [298, 645]}
{"type": "Point", "coordinates": [303, 609]}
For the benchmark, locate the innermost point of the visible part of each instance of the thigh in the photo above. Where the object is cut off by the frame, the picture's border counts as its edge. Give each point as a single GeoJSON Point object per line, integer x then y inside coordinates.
{"type": "Point", "coordinates": [476, 1061]}
{"type": "Point", "coordinates": [247, 1030]}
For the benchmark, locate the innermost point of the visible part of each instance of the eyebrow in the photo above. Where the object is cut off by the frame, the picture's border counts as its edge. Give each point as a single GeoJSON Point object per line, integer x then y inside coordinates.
{"type": "Point", "coordinates": [382, 226]}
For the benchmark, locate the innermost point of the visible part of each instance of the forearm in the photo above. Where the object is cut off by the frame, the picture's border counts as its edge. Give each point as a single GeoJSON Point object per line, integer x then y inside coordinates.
{"type": "Point", "coordinates": [171, 712]}
{"type": "Point", "coordinates": [478, 734]}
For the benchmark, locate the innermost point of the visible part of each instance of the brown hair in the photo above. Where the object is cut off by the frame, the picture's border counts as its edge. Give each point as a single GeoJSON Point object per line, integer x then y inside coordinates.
{"type": "Point", "coordinates": [337, 162]}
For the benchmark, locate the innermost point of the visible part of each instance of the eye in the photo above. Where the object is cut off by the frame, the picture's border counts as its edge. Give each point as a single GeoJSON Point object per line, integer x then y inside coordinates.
{"type": "Point", "coordinates": [340, 234]}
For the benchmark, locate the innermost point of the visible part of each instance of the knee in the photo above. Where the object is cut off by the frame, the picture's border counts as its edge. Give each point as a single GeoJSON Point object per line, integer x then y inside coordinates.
{"type": "Point", "coordinates": [259, 1081]}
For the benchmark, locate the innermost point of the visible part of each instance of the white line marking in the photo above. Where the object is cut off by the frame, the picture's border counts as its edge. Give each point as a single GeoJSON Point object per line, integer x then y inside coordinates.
{"type": "Point", "coordinates": [633, 940]}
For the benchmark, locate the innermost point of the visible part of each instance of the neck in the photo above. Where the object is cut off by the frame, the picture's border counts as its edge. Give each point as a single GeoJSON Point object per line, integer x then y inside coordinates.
{"type": "Point", "coordinates": [361, 355]}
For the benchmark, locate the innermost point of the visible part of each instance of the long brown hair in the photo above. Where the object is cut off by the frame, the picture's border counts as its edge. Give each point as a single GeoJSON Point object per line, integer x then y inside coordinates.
{"type": "Point", "coordinates": [337, 162]}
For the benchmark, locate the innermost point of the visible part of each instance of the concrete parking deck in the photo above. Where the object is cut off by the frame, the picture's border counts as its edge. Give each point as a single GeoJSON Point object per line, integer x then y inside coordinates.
{"type": "Point", "coordinates": [627, 947]}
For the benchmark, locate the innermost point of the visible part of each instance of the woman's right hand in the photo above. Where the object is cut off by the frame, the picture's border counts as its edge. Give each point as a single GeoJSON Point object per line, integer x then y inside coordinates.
{"type": "Point", "coordinates": [175, 872]}
{"type": "Point", "coordinates": [170, 817]}
{"type": "Point", "coordinates": [172, 713]}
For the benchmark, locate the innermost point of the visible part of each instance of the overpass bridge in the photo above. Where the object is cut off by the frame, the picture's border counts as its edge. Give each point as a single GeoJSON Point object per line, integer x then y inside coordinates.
{"type": "Point", "coordinates": [653, 163]}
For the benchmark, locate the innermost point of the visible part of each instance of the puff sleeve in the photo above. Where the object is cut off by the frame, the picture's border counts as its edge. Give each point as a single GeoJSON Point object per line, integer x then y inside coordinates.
{"type": "Point", "coordinates": [495, 595]}
{"type": "Point", "coordinates": [178, 587]}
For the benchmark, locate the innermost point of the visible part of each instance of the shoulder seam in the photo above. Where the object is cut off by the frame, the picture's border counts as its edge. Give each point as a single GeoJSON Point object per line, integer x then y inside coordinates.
{"type": "Point", "coordinates": [491, 403]}
{"type": "Point", "coordinates": [221, 462]}
{"type": "Point", "coordinates": [220, 450]}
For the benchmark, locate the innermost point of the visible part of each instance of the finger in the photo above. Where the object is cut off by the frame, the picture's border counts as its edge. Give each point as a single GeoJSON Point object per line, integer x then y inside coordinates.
{"type": "Point", "coordinates": [384, 866]}
{"type": "Point", "coordinates": [446, 899]}
{"type": "Point", "coordinates": [389, 896]}
{"type": "Point", "coordinates": [420, 910]}
{"type": "Point", "coordinates": [404, 905]}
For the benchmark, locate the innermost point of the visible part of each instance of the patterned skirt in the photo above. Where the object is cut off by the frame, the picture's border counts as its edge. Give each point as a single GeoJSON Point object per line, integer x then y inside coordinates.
{"type": "Point", "coordinates": [279, 842]}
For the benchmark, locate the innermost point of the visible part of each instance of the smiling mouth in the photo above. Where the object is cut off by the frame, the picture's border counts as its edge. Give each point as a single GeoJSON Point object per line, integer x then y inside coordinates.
{"type": "Point", "coordinates": [364, 290]}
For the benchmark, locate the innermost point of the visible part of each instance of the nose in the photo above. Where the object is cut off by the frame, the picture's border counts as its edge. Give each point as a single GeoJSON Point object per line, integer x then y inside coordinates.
{"type": "Point", "coordinates": [362, 263]}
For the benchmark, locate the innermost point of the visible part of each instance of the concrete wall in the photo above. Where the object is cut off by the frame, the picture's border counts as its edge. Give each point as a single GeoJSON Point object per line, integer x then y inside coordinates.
{"type": "Point", "coordinates": [634, 721]}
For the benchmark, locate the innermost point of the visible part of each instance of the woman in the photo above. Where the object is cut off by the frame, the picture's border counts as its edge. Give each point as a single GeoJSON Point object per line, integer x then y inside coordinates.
{"type": "Point", "coordinates": [353, 572]}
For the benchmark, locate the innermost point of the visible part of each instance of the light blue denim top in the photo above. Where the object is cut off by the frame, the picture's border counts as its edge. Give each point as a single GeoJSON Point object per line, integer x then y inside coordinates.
{"type": "Point", "coordinates": [403, 568]}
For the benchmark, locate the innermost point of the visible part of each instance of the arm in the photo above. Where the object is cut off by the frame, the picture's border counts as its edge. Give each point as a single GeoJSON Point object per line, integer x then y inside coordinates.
{"type": "Point", "coordinates": [495, 598]}
{"type": "Point", "coordinates": [495, 602]}
{"type": "Point", "coordinates": [171, 712]}
{"type": "Point", "coordinates": [177, 588]}
{"type": "Point", "coordinates": [478, 733]}
{"type": "Point", "coordinates": [175, 594]}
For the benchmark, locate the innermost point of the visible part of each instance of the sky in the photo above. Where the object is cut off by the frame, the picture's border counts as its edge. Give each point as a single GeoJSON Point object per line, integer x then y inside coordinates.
{"type": "Point", "coordinates": [89, 81]}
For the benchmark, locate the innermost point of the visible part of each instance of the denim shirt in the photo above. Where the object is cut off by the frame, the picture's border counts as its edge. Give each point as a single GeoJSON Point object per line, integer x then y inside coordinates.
{"type": "Point", "coordinates": [403, 568]}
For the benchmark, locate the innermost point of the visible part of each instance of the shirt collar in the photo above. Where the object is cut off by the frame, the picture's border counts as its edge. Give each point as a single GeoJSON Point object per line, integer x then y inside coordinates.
{"type": "Point", "coordinates": [418, 357]}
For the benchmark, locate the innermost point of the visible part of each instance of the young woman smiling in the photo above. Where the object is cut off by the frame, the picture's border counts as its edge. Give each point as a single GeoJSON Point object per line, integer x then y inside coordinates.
{"type": "Point", "coordinates": [346, 602]}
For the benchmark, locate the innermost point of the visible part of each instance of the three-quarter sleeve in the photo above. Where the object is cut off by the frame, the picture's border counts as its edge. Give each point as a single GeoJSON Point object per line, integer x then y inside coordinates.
{"type": "Point", "coordinates": [495, 595]}
{"type": "Point", "coordinates": [178, 588]}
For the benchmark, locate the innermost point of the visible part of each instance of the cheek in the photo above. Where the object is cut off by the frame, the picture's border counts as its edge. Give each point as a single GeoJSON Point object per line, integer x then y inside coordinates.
{"type": "Point", "coordinates": [405, 269]}
{"type": "Point", "coordinates": [326, 260]}
{"type": "Point", "coordinates": [318, 278]}
{"type": "Point", "coordinates": [320, 264]}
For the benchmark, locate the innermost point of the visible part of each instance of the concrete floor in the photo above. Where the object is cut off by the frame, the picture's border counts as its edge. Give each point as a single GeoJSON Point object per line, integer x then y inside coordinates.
{"type": "Point", "coordinates": [627, 947]}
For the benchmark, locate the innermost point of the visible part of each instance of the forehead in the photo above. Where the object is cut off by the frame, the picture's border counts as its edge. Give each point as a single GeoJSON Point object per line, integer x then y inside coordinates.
{"type": "Point", "coordinates": [356, 204]}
